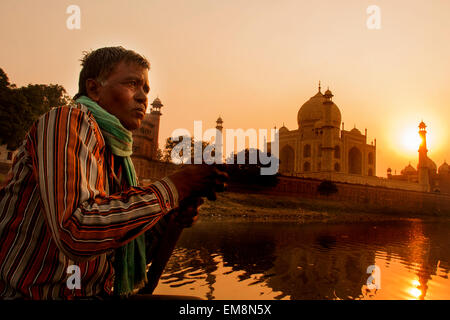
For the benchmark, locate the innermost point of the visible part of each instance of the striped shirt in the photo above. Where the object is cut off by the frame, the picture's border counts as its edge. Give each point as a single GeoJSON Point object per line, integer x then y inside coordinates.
{"type": "Point", "coordinates": [64, 205]}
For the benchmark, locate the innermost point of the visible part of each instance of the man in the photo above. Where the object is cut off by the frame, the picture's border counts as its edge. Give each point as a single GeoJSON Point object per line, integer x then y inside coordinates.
{"type": "Point", "coordinates": [73, 202]}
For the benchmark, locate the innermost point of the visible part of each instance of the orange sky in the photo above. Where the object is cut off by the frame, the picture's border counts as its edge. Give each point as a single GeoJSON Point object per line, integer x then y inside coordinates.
{"type": "Point", "coordinates": [255, 62]}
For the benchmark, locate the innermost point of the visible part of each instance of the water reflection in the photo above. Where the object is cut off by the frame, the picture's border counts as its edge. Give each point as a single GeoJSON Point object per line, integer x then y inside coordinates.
{"type": "Point", "coordinates": [217, 260]}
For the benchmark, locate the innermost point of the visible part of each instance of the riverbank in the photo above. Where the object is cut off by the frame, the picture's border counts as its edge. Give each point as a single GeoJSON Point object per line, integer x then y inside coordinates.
{"type": "Point", "coordinates": [272, 208]}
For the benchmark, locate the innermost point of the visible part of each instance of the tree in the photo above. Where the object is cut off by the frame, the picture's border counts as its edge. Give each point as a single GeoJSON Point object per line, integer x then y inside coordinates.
{"type": "Point", "coordinates": [21, 107]}
{"type": "Point", "coordinates": [159, 155]}
{"type": "Point", "coordinates": [171, 144]}
{"type": "Point", "coordinates": [14, 116]}
{"type": "Point", "coordinates": [4, 80]}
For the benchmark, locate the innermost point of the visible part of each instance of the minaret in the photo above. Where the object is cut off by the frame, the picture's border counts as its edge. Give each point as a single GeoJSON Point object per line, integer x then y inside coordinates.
{"type": "Point", "coordinates": [156, 106]}
{"type": "Point", "coordinates": [219, 124]}
{"type": "Point", "coordinates": [424, 178]}
{"type": "Point", "coordinates": [219, 140]}
{"type": "Point", "coordinates": [327, 142]}
{"type": "Point", "coordinates": [155, 116]}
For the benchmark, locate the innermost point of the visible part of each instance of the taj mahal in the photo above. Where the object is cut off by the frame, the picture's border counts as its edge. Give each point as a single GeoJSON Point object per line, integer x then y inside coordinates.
{"type": "Point", "coordinates": [321, 148]}
{"type": "Point", "coordinates": [322, 145]}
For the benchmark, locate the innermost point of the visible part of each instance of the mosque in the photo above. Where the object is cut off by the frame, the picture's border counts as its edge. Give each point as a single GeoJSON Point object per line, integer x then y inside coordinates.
{"type": "Point", "coordinates": [431, 178]}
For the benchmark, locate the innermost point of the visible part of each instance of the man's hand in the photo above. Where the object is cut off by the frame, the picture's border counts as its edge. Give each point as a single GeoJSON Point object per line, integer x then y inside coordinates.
{"type": "Point", "coordinates": [187, 214]}
{"type": "Point", "coordinates": [196, 181]}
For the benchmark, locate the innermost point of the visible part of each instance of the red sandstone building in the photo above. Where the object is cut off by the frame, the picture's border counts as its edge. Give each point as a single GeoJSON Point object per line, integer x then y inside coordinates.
{"type": "Point", "coordinates": [145, 147]}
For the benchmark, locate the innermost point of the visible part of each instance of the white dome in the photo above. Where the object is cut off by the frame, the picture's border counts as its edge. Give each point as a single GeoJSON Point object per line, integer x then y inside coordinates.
{"type": "Point", "coordinates": [314, 110]}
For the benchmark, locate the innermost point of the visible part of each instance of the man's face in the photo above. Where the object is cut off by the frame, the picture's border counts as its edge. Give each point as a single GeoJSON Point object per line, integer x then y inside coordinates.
{"type": "Point", "coordinates": [124, 94]}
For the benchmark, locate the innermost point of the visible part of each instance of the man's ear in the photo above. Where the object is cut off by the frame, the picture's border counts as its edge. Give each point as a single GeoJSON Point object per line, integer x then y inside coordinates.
{"type": "Point", "coordinates": [93, 89]}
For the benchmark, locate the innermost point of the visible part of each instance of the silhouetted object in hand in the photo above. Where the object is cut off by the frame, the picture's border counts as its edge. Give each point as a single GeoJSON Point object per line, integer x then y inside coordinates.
{"type": "Point", "coordinates": [327, 188]}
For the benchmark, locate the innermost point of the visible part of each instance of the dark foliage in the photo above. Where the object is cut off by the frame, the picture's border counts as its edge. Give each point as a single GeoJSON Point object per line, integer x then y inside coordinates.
{"type": "Point", "coordinates": [247, 173]}
{"type": "Point", "coordinates": [21, 107]}
{"type": "Point", "coordinates": [170, 145]}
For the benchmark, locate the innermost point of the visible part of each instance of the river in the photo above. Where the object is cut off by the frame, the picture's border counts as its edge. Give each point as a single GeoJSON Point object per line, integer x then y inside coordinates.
{"type": "Point", "coordinates": [265, 261]}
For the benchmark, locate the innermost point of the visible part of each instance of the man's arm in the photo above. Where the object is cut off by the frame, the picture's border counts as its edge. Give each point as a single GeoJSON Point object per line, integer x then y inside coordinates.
{"type": "Point", "coordinates": [83, 220]}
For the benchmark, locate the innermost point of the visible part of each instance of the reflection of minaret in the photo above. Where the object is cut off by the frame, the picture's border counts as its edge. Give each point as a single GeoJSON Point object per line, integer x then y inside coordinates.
{"type": "Point", "coordinates": [419, 255]}
{"type": "Point", "coordinates": [211, 266]}
{"type": "Point", "coordinates": [424, 178]}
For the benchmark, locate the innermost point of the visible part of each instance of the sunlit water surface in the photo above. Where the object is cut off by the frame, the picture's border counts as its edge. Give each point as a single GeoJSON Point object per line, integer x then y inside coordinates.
{"type": "Point", "coordinates": [234, 260]}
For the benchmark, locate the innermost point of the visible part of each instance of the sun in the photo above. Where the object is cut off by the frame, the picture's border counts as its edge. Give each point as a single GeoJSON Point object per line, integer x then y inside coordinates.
{"type": "Point", "coordinates": [411, 139]}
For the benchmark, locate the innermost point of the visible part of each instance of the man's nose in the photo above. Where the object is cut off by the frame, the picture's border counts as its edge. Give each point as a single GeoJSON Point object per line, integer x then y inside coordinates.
{"type": "Point", "coordinates": [141, 97]}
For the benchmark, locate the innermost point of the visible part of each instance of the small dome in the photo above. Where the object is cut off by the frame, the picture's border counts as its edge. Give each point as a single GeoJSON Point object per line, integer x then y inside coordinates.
{"type": "Point", "coordinates": [157, 103]}
{"type": "Point", "coordinates": [219, 120]}
{"type": "Point", "coordinates": [355, 131]}
{"type": "Point", "coordinates": [422, 125]}
{"type": "Point", "coordinates": [328, 94]}
{"type": "Point", "coordinates": [444, 168]}
{"type": "Point", "coordinates": [409, 169]}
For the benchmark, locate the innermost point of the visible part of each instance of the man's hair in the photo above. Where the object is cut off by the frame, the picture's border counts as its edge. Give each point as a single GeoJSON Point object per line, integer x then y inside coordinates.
{"type": "Point", "coordinates": [100, 63]}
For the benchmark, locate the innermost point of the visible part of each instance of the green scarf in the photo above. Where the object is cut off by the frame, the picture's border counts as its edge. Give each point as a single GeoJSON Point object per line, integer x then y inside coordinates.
{"type": "Point", "coordinates": [130, 260]}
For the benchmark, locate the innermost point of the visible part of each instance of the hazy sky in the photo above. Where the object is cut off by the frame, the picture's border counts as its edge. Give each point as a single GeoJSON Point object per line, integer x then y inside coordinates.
{"type": "Point", "coordinates": [255, 62]}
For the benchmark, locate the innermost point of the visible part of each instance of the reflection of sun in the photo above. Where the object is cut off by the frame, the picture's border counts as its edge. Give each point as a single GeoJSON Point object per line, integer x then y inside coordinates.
{"type": "Point", "coordinates": [416, 283]}
{"type": "Point", "coordinates": [415, 292]}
